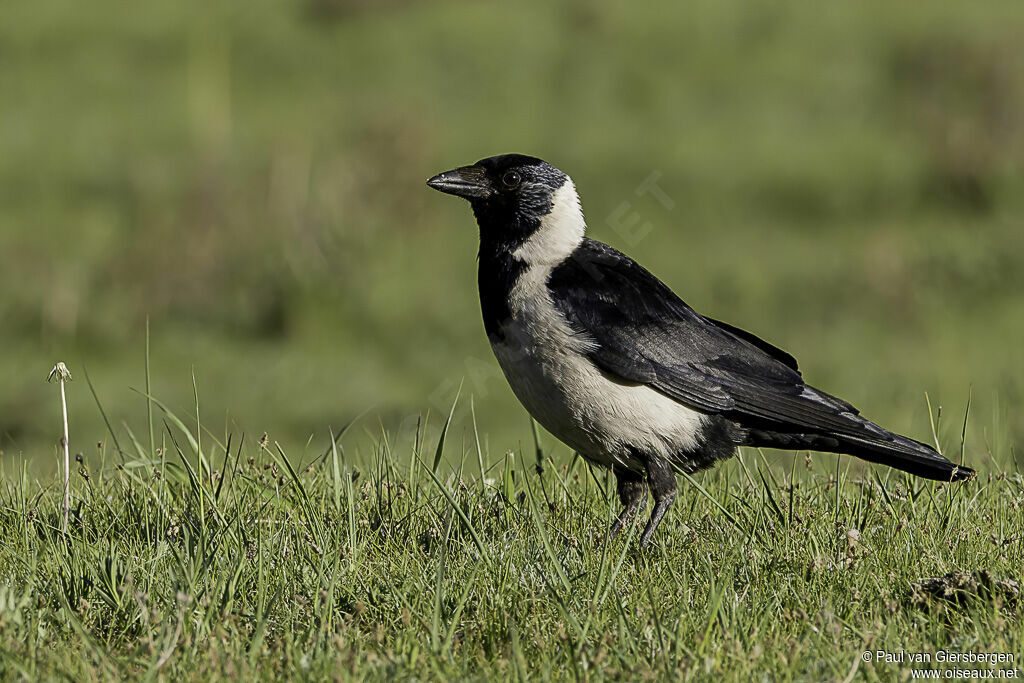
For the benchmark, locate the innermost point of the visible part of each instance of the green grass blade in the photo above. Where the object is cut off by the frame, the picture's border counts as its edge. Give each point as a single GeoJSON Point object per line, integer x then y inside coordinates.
{"type": "Point", "coordinates": [462, 515]}
{"type": "Point", "coordinates": [444, 431]}
{"type": "Point", "coordinates": [103, 413]}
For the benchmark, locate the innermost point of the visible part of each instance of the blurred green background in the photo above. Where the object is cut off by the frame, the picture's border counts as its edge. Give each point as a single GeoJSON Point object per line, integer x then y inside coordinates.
{"type": "Point", "coordinates": [844, 180]}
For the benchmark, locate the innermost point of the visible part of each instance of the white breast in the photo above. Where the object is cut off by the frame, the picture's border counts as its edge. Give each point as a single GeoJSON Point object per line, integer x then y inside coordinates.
{"type": "Point", "coordinates": [602, 417]}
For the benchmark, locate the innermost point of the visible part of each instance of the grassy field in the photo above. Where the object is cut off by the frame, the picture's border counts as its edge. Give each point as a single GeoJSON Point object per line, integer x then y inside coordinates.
{"type": "Point", "coordinates": [206, 558]}
{"type": "Point", "coordinates": [225, 205]}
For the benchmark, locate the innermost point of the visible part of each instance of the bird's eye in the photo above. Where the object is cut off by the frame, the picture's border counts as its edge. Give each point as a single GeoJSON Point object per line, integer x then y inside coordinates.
{"type": "Point", "coordinates": [511, 179]}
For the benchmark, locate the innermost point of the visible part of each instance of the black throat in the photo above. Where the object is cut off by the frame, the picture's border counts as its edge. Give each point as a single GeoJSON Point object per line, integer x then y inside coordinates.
{"type": "Point", "coordinates": [501, 233]}
{"type": "Point", "coordinates": [496, 276]}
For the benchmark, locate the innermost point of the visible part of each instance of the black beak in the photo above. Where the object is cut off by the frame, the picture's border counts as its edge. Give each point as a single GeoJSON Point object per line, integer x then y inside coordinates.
{"type": "Point", "coordinates": [469, 182]}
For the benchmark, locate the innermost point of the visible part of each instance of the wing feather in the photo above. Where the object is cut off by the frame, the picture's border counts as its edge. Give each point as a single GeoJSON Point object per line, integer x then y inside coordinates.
{"type": "Point", "coordinates": [644, 333]}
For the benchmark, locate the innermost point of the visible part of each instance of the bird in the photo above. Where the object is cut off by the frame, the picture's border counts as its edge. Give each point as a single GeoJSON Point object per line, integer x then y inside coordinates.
{"type": "Point", "coordinates": [609, 360]}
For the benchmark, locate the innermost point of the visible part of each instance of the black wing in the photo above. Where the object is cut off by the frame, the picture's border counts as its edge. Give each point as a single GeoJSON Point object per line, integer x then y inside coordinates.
{"type": "Point", "coordinates": [644, 333]}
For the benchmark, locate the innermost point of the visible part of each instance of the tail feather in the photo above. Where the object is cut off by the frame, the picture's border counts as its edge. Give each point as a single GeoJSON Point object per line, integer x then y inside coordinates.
{"type": "Point", "coordinates": [875, 445]}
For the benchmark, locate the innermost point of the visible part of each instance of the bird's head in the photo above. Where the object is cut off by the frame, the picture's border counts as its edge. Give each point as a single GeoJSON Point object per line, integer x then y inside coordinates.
{"type": "Point", "coordinates": [519, 200]}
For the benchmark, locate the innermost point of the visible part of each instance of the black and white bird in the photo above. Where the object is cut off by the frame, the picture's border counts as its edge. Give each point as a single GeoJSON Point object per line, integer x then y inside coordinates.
{"type": "Point", "coordinates": [609, 360]}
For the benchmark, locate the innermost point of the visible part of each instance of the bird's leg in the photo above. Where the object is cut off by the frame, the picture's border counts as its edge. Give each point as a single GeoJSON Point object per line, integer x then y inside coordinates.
{"type": "Point", "coordinates": [662, 481]}
{"type": "Point", "coordinates": [633, 494]}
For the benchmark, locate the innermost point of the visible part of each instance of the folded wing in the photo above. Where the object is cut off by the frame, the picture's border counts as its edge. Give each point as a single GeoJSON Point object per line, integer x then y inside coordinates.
{"type": "Point", "coordinates": [642, 332]}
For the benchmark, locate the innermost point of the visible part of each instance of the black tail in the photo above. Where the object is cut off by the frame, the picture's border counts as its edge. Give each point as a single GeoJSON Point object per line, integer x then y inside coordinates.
{"type": "Point", "coordinates": [875, 445]}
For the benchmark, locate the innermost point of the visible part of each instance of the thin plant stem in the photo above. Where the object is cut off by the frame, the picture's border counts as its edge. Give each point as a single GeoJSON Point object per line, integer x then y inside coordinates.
{"type": "Point", "coordinates": [61, 372]}
{"type": "Point", "coordinates": [67, 457]}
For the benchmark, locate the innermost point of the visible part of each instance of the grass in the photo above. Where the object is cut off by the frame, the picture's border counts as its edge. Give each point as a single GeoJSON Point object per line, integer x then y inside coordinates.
{"type": "Point", "coordinates": [415, 558]}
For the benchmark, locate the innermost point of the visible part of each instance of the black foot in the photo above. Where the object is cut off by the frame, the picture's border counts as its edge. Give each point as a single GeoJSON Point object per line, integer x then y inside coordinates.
{"type": "Point", "coordinates": [662, 481]}
{"type": "Point", "coordinates": [660, 508]}
{"type": "Point", "coordinates": [633, 494]}
{"type": "Point", "coordinates": [628, 513]}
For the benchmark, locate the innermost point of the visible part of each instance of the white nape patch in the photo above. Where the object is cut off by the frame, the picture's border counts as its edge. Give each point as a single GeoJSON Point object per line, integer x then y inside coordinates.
{"type": "Point", "coordinates": [544, 360]}
{"type": "Point", "coordinates": [560, 231]}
